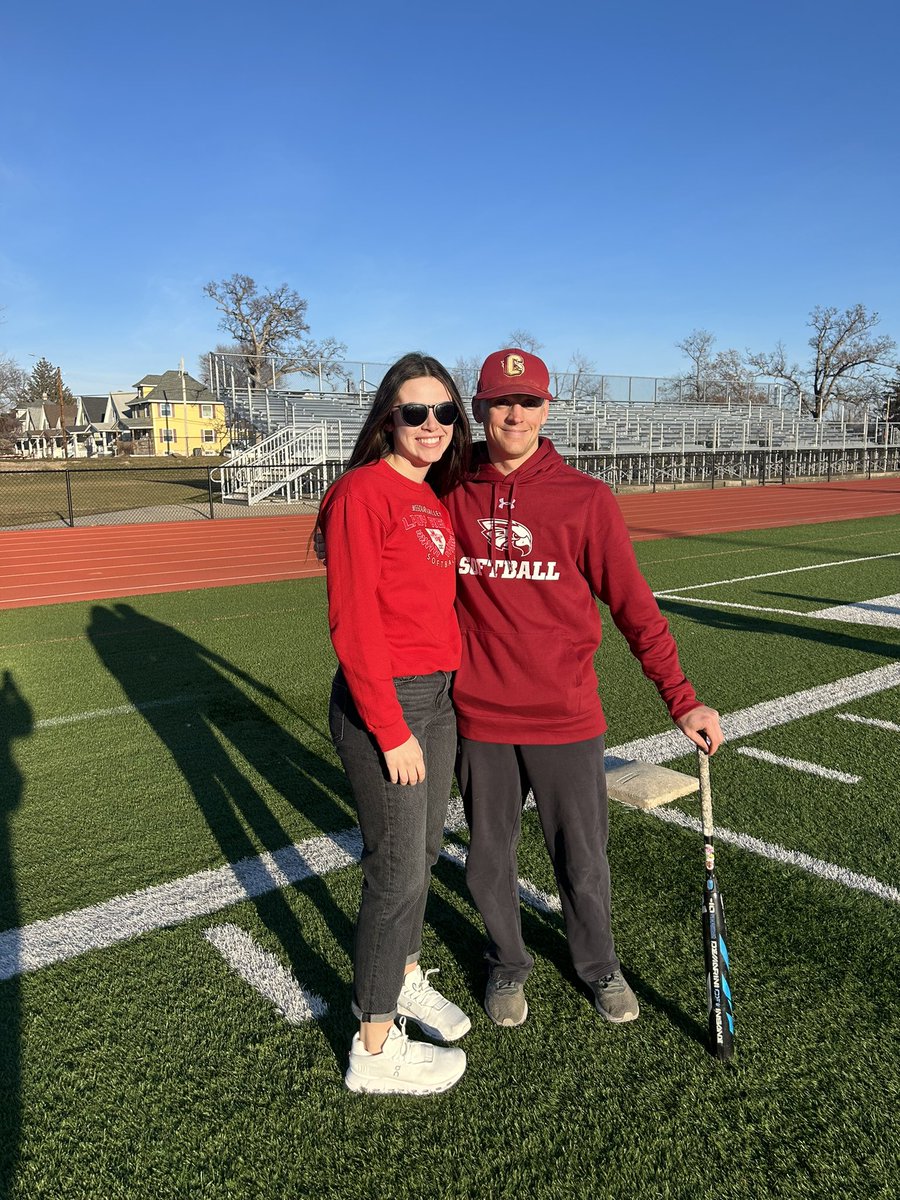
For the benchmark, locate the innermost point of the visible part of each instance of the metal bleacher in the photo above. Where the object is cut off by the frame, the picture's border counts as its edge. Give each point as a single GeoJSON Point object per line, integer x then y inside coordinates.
{"type": "Point", "coordinates": [304, 436]}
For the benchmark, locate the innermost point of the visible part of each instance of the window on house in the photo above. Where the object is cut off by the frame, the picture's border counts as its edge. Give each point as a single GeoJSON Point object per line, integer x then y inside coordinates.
{"type": "Point", "coordinates": [168, 435]}
{"type": "Point", "coordinates": [207, 412]}
{"type": "Point", "coordinates": [165, 409]}
{"type": "Point", "coordinates": [209, 435]}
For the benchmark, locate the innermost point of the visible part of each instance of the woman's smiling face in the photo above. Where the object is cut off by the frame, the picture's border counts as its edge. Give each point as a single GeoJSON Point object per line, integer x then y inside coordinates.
{"type": "Point", "coordinates": [417, 447]}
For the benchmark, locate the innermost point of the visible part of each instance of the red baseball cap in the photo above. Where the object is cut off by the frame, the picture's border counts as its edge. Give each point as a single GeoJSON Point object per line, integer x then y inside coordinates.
{"type": "Point", "coordinates": [513, 372]}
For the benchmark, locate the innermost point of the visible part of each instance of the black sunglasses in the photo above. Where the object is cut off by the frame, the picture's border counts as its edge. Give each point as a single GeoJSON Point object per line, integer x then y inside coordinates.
{"type": "Point", "coordinates": [512, 401]}
{"type": "Point", "coordinates": [445, 413]}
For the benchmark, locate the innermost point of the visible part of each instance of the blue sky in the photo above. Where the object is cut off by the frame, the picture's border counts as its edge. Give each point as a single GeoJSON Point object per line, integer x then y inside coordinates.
{"type": "Point", "coordinates": [607, 176]}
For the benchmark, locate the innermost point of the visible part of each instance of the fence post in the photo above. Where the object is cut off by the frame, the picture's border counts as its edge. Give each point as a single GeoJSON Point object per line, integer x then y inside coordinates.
{"type": "Point", "coordinates": [209, 489]}
{"type": "Point", "coordinates": [783, 466]}
{"type": "Point", "coordinates": [69, 498]}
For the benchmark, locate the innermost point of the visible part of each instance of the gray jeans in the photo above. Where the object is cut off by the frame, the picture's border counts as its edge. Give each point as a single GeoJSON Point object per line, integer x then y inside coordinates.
{"type": "Point", "coordinates": [569, 783]}
{"type": "Point", "coordinates": [402, 827]}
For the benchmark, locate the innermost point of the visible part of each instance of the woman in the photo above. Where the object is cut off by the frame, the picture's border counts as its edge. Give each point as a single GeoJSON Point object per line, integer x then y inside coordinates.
{"type": "Point", "coordinates": [391, 584]}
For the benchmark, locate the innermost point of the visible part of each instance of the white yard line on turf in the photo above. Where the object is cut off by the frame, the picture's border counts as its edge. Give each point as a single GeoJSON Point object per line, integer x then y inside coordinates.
{"type": "Point", "coordinates": [844, 562]}
{"type": "Point", "coordinates": [56, 939]}
{"type": "Point", "coordinates": [121, 710]}
{"type": "Point", "coordinates": [882, 610]}
{"type": "Point", "coordinates": [533, 896]}
{"type": "Point", "coordinates": [793, 858]}
{"type": "Point", "coordinates": [874, 721]}
{"type": "Point", "coordinates": [128, 916]}
{"type": "Point", "coordinates": [863, 612]}
{"type": "Point", "coordinates": [799, 764]}
{"type": "Point", "coordinates": [662, 747]}
{"type": "Point", "coordinates": [265, 974]}
{"type": "Point", "coordinates": [788, 612]}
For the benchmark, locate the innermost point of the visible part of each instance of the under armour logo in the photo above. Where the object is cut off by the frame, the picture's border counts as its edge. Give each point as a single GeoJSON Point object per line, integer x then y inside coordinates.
{"type": "Point", "coordinates": [506, 504]}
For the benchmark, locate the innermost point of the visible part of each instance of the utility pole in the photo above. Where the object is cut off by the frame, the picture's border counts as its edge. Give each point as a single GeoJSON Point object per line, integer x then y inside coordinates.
{"type": "Point", "coordinates": [184, 407]}
{"type": "Point", "coordinates": [62, 415]}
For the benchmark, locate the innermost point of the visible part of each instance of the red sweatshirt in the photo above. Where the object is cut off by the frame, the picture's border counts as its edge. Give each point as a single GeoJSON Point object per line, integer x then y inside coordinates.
{"type": "Point", "coordinates": [536, 546]}
{"type": "Point", "coordinates": [390, 556]}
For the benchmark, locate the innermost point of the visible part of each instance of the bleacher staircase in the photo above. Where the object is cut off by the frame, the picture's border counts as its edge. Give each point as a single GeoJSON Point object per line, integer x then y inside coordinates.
{"type": "Point", "coordinates": [274, 468]}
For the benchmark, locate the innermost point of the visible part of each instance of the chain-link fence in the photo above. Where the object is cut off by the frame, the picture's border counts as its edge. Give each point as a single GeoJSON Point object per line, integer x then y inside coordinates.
{"type": "Point", "coordinates": [31, 499]}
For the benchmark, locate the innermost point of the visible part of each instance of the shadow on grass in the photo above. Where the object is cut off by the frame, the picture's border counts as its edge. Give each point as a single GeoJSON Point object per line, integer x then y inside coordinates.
{"type": "Point", "coordinates": [151, 661]}
{"type": "Point", "coordinates": [736, 622]}
{"type": "Point", "coordinates": [545, 936]}
{"type": "Point", "coordinates": [16, 721]}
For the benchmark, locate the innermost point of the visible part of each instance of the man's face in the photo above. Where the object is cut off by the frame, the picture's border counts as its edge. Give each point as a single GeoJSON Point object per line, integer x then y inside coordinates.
{"type": "Point", "coordinates": [511, 427]}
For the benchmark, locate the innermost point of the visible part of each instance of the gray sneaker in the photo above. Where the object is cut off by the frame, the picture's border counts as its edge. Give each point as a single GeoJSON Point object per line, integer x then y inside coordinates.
{"type": "Point", "coordinates": [504, 1001]}
{"type": "Point", "coordinates": [614, 999]}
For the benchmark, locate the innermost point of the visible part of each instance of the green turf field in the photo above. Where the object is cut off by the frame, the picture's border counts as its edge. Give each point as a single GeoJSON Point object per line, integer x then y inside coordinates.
{"type": "Point", "coordinates": [145, 745]}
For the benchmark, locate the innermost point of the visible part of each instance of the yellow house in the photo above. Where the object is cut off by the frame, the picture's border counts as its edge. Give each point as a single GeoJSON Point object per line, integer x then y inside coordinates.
{"type": "Point", "coordinates": [176, 414]}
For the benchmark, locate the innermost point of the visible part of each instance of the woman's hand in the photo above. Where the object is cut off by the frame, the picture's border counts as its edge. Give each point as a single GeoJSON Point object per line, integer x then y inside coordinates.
{"type": "Point", "coordinates": [406, 763]}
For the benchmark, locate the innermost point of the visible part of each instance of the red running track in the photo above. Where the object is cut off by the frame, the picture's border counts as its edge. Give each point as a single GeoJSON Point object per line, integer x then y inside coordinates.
{"type": "Point", "coordinates": [57, 566]}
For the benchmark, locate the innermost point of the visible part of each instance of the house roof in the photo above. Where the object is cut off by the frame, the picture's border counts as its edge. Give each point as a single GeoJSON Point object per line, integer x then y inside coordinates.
{"type": "Point", "coordinates": [94, 407]}
{"type": "Point", "coordinates": [69, 413]}
{"type": "Point", "coordinates": [171, 385]}
{"type": "Point", "coordinates": [148, 381]}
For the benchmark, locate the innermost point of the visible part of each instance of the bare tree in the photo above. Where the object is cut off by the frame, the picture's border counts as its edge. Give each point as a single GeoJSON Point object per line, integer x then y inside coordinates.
{"type": "Point", "coordinates": [846, 360]}
{"type": "Point", "coordinates": [465, 373]}
{"type": "Point", "coordinates": [578, 380]}
{"type": "Point", "coordinates": [522, 339]}
{"type": "Point", "coordinates": [235, 362]}
{"type": "Point", "coordinates": [9, 427]}
{"type": "Point", "coordinates": [890, 402]}
{"type": "Point", "coordinates": [697, 346]}
{"type": "Point", "coordinates": [13, 383]}
{"type": "Point", "coordinates": [714, 378]}
{"type": "Point", "coordinates": [270, 326]}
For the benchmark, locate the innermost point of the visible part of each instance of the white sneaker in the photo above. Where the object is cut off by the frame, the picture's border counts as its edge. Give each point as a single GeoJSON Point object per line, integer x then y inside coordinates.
{"type": "Point", "coordinates": [404, 1067]}
{"type": "Point", "coordinates": [433, 1013]}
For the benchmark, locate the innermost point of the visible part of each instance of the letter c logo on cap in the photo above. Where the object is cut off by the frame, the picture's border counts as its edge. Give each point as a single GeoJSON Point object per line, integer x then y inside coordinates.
{"type": "Point", "coordinates": [513, 365]}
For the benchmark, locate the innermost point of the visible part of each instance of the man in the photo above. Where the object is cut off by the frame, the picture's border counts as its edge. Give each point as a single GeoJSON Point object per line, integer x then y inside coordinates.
{"type": "Point", "coordinates": [538, 541]}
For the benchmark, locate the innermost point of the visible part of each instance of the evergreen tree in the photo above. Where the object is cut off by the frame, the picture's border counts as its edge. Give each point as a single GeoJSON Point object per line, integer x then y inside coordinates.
{"type": "Point", "coordinates": [43, 385]}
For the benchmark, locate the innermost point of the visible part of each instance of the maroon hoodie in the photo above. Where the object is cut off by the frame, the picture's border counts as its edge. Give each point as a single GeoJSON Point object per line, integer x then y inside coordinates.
{"type": "Point", "coordinates": [534, 549]}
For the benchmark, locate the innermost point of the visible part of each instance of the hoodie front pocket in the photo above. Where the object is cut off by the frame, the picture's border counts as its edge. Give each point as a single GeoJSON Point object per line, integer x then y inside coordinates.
{"type": "Point", "coordinates": [529, 674]}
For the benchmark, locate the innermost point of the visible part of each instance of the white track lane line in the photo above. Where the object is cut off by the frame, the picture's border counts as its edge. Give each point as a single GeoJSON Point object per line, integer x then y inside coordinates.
{"type": "Point", "coordinates": [67, 935]}
{"type": "Point", "coordinates": [873, 721]}
{"type": "Point", "coordinates": [798, 764]}
{"type": "Point", "coordinates": [265, 974]}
